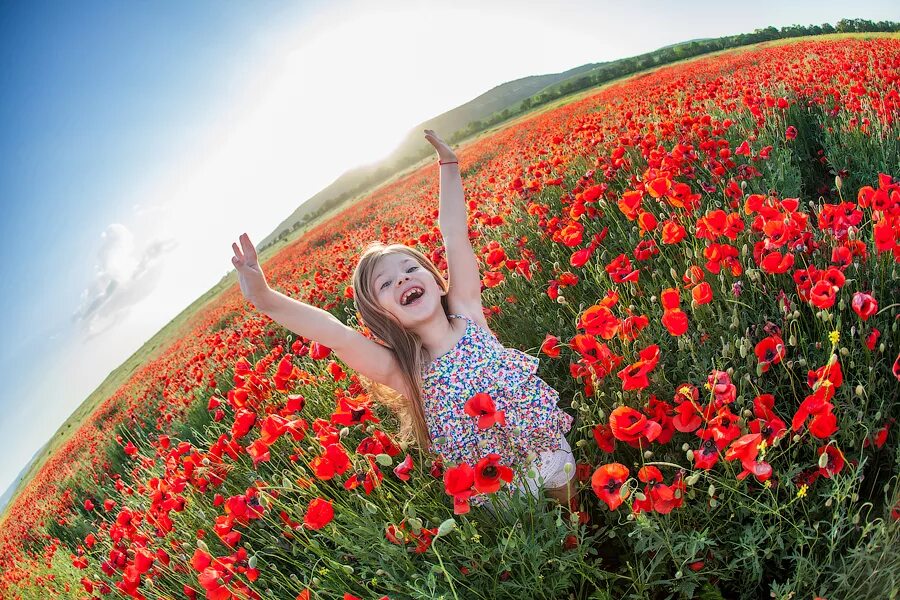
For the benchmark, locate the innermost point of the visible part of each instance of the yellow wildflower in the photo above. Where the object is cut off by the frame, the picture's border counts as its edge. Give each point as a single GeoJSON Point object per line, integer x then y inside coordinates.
{"type": "Point", "coordinates": [767, 484]}
{"type": "Point", "coordinates": [835, 337]}
{"type": "Point", "coordinates": [801, 493]}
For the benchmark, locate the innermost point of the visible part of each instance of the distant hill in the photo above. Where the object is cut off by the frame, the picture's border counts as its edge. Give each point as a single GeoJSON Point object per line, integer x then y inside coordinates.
{"type": "Point", "coordinates": [7, 495]}
{"type": "Point", "coordinates": [517, 97]}
{"type": "Point", "coordinates": [412, 149]}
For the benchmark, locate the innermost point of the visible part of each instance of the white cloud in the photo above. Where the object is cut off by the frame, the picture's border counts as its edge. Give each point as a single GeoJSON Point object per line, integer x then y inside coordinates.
{"type": "Point", "coordinates": [123, 277]}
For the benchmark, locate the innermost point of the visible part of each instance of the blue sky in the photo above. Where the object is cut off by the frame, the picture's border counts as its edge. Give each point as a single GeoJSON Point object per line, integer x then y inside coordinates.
{"type": "Point", "coordinates": [140, 138]}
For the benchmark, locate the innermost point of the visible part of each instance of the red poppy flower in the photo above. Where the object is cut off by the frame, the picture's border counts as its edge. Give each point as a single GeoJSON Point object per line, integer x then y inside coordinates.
{"type": "Point", "coordinates": [243, 422]}
{"type": "Point", "coordinates": [620, 270]}
{"type": "Point", "coordinates": [767, 422]}
{"type": "Point", "coordinates": [214, 581]}
{"type": "Point", "coordinates": [672, 232]}
{"type": "Point", "coordinates": [570, 235]}
{"type": "Point", "coordinates": [646, 222]}
{"type": "Point", "coordinates": [333, 462]}
{"type": "Point", "coordinates": [551, 346]}
{"type": "Point", "coordinates": [822, 294]}
{"type": "Point", "coordinates": [719, 255]}
{"type": "Point", "coordinates": [631, 327]}
{"type": "Point", "coordinates": [707, 455]}
{"type": "Point", "coordinates": [675, 321]}
{"type": "Point", "coordinates": [634, 376]}
{"type": "Point", "coordinates": [351, 412]}
{"type": "Point", "coordinates": [746, 449]}
{"type": "Point", "coordinates": [319, 514]}
{"type": "Point", "coordinates": [830, 372]}
{"type": "Point", "coordinates": [489, 472]}
{"type": "Point", "coordinates": [630, 425]}
{"type": "Point", "coordinates": [480, 405]}
{"type": "Point", "coordinates": [646, 249]}
{"type": "Point", "coordinates": [604, 437]}
{"type": "Point", "coordinates": [663, 413]}
{"type": "Point", "coordinates": [607, 482]}
{"type": "Point", "coordinates": [658, 496]}
{"type": "Point", "coordinates": [630, 204]}
{"type": "Point", "coordinates": [790, 133]}
{"type": "Point", "coordinates": [403, 470]}
{"type": "Point", "coordinates": [723, 390]}
{"type": "Point", "coordinates": [879, 437]}
{"type": "Point", "coordinates": [816, 405]}
{"type": "Point", "coordinates": [369, 479]}
{"type": "Point", "coordinates": [687, 418]}
{"type": "Point", "coordinates": [722, 428]}
{"type": "Point", "coordinates": [579, 258]}
{"type": "Point", "coordinates": [834, 461]}
{"type": "Point", "coordinates": [599, 320]}
{"type": "Point", "coordinates": [458, 483]}
{"type": "Point", "coordinates": [669, 298]}
{"type": "Point", "coordinates": [864, 305]}
{"type": "Point", "coordinates": [259, 452]}
{"type": "Point", "coordinates": [872, 339]}
{"type": "Point", "coordinates": [770, 351]}
{"type": "Point", "coordinates": [702, 293]}
{"type": "Point", "coordinates": [775, 262]}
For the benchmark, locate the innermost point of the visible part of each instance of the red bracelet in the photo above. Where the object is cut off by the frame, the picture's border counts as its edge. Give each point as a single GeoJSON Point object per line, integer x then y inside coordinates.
{"type": "Point", "coordinates": [449, 162]}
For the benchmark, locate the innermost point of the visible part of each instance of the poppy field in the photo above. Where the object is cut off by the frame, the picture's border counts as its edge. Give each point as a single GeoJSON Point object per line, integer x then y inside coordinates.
{"type": "Point", "coordinates": [708, 258]}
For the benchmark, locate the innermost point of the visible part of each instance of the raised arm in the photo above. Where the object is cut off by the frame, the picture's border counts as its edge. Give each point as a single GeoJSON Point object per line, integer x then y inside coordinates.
{"type": "Point", "coordinates": [359, 352]}
{"type": "Point", "coordinates": [462, 264]}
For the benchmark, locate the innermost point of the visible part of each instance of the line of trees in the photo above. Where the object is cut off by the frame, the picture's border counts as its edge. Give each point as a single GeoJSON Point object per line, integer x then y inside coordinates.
{"type": "Point", "coordinates": [627, 66]}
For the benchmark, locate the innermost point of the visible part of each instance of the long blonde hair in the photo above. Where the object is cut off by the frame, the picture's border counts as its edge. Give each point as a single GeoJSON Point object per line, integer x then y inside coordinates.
{"type": "Point", "coordinates": [406, 344]}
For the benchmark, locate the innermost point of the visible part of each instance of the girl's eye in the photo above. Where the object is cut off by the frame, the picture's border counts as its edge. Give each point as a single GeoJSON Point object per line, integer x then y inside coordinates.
{"type": "Point", "coordinates": [388, 281]}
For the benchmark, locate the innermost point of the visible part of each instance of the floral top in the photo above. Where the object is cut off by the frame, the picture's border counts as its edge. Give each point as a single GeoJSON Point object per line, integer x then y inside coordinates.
{"type": "Point", "coordinates": [480, 363]}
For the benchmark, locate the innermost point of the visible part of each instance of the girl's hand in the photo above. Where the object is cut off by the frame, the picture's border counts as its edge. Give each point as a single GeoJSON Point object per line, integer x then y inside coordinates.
{"type": "Point", "coordinates": [250, 275]}
{"type": "Point", "coordinates": [443, 149]}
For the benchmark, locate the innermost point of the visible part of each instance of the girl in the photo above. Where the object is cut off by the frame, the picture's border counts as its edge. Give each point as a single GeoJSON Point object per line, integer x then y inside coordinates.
{"type": "Point", "coordinates": [437, 351]}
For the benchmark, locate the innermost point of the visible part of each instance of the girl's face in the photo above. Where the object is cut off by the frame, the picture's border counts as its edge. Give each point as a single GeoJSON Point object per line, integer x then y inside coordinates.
{"type": "Point", "coordinates": [405, 288]}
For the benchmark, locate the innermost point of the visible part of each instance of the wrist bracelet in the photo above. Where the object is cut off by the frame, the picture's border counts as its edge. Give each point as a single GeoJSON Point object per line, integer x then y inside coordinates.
{"type": "Point", "coordinates": [449, 162]}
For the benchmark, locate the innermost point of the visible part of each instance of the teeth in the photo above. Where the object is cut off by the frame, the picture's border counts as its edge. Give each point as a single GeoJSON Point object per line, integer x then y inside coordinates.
{"type": "Point", "coordinates": [407, 294]}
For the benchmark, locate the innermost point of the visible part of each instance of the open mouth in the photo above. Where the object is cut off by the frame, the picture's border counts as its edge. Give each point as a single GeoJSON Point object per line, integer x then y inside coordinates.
{"type": "Point", "coordinates": [412, 296]}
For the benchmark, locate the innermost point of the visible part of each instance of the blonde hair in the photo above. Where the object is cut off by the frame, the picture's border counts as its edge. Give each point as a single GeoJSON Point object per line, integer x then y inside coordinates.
{"type": "Point", "coordinates": [406, 344]}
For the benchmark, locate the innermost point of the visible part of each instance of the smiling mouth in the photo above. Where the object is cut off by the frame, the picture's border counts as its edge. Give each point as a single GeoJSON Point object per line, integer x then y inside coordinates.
{"type": "Point", "coordinates": [413, 297]}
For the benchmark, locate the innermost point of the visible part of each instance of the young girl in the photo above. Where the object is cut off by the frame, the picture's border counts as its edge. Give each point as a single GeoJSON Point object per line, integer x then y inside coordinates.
{"type": "Point", "coordinates": [437, 350]}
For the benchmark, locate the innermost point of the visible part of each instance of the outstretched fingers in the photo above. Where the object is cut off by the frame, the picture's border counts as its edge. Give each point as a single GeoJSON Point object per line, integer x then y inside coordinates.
{"type": "Point", "coordinates": [249, 249]}
{"type": "Point", "coordinates": [238, 258]}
